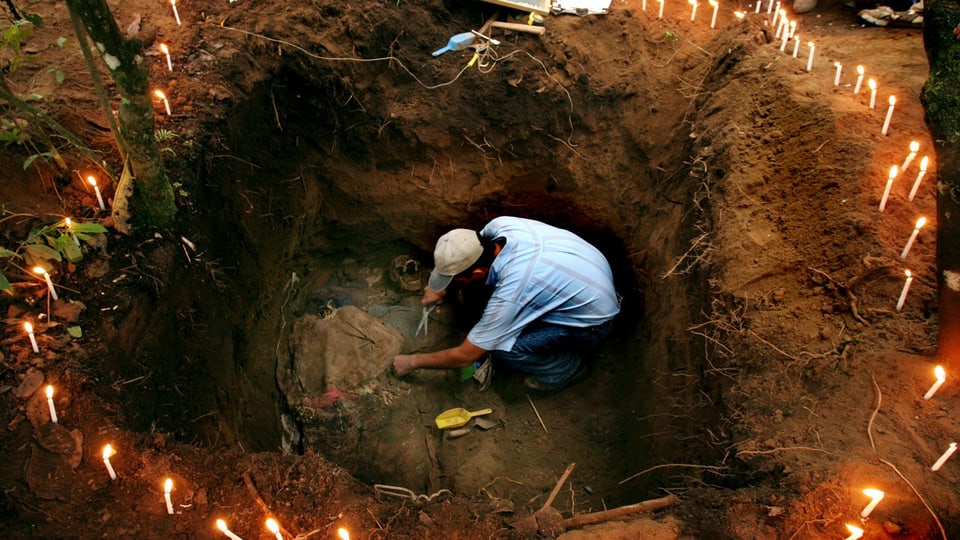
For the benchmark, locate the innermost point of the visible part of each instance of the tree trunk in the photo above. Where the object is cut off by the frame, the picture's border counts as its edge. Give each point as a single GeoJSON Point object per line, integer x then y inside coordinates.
{"type": "Point", "coordinates": [941, 101]}
{"type": "Point", "coordinates": [153, 200]}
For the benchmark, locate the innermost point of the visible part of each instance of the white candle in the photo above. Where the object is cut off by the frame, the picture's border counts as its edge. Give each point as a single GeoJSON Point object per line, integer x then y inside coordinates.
{"type": "Point", "coordinates": [167, 488]}
{"type": "Point", "coordinates": [274, 528]}
{"type": "Point", "coordinates": [886, 191]}
{"type": "Point", "coordinates": [758, 7]}
{"type": "Point", "coordinates": [660, 15]}
{"type": "Point", "coordinates": [793, 28]}
{"type": "Point", "coordinates": [856, 87]}
{"type": "Point", "coordinates": [343, 534]}
{"type": "Point", "coordinates": [913, 236]}
{"type": "Point", "coordinates": [644, 5]}
{"type": "Point", "coordinates": [786, 37]}
{"type": "Point", "coordinates": [166, 51]}
{"type": "Point", "coordinates": [176, 14]}
{"type": "Point", "coordinates": [941, 376]}
{"type": "Point", "coordinates": [914, 148]}
{"type": "Point", "coordinates": [886, 121]}
{"type": "Point", "coordinates": [53, 410]}
{"type": "Point", "coordinates": [770, 8]}
{"type": "Point", "coordinates": [46, 277]}
{"type": "Point", "coordinates": [796, 46]}
{"type": "Point", "coordinates": [855, 532]}
{"type": "Point", "coordinates": [810, 56]}
{"type": "Point", "coordinates": [166, 103]}
{"type": "Point", "coordinates": [875, 497]}
{"type": "Point", "coordinates": [33, 339]}
{"type": "Point", "coordinates": [69, 225]}
{"type": "Point", "coordinates": [916, 183]}
{"type": "Point", "coordinates": [836, 78]}
{"type": "Point", "coordinates": [713, 19]}
{"type": "Point", "coordinates": [222, 525]}
{"type": "Point", "coordinates": [693, 12]}
{"type": "Point", "coordinates": [107, 452]}
{"type": "Point", "coordinates": [906, 288]}
{"type": "Point", "coordinates": [936, 466]}
{"type": "Point", "coordinates": [96, 189]}
{"type": "Point", "coordinates": [873, 92]}
{"type": "Point", "coordinates": [781, 24]}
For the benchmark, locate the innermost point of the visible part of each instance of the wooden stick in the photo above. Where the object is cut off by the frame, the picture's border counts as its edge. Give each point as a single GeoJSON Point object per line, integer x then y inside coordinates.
{"type": "Point", "coordinates": [517, 27]}
{"type": "Point", "coordinates": [556, 488]}
{"type": "Point", "coordinates": [536, 412]}
{"type": "Point", "coordinates": [248, 481]}
{"type": "Point", "coordinates": [614, 513]}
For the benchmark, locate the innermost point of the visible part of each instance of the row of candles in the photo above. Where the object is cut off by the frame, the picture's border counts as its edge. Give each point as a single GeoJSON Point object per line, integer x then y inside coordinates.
{"type": "Point", "coordinates": [108, 452]}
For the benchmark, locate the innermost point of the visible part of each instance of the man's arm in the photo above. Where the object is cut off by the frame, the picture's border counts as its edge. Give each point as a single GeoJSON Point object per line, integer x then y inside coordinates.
{"type": "Point", "coordinates": [455, 357]}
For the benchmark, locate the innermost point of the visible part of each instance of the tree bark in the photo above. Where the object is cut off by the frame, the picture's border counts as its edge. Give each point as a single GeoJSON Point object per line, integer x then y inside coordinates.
{"type": "Point", "coordinates": [153, 200]}
{"type": "Point", "coordinates": [941, 102]}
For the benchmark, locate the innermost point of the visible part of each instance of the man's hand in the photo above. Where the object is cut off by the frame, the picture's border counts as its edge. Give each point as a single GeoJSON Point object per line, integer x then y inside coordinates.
{"type": "Point", "coordinates": [403, 364]}
{"type": "Point", "coordinates": [431, 296]}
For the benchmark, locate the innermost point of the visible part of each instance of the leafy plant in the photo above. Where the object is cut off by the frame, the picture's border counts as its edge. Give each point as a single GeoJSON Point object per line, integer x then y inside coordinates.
{"type": "Point", "coordinates": [54, 242]}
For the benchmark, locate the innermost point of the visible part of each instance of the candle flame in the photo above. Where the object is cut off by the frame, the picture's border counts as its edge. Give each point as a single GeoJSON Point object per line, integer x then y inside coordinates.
{"type": "Point", "coordinates": [940, 373]}
{"type": "Point", "coordinates": [860, 70]}
{"type": "Point", "coordinates": [67, 222]}
{"type": "Point", "coordinates": [159, 94]}
{"type": "Point", "coordinates": [914, 146]}
{"type": "Point", "coordinates": [28, 327]}
{"type": "Point", "coordinates": [343, 534]}
{"type": "Point", "coordinates": [163, 47]}
{"type": "Point", "coordinates": [50, 391]}
{"type": "Point", "coordinates": [810, 44]}
{"type": "Point", "coordinates": [874, 494]}
{"type": "Point", "coordinates": [168, 486]}
{"type": "Point", "coordinates": [39, 270]}
{"type": "Point", "coordinates": [107, 451]}
{"type": "Point", "coordinates": [893, 100]}
{"type": "Point", "coordinates": [923, 163]}
{"type": "Point", "coordinates": [272, 526]}
{"type": "Point", "coordinates": [907, 272]}
{"type": "Point", "coordinates": [855, 532]}
{"type": "Point", "coordinates": [92, 180]}
{"type": "Point", "coordinates": [872, 84]}
{"type": "Point", "coordinates": [894, 171]}
{"type": "Point", "coordinates": [714, 3]}
{"type": "Point", "coordinates": [222, 525]}
{"type": "Point", "coordinates": [739, 14]}
{"type": "Point", "coordinates": [921, 222]}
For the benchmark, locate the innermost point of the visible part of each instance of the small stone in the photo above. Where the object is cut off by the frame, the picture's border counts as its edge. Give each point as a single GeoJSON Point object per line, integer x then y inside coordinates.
{"type": "Point", "coordinates": [891, 528]}
{"type": "Point", "coordinates": [30, 384]}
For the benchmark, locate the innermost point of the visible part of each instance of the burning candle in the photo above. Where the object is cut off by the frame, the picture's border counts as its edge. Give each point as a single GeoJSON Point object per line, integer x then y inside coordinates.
{"type": "Point", "coordinates": [176, 14]}
{"type": "Point", "coordinates": [222, 525]}
{"type": "Point", "coordinates": [166, 103]}
{"type": "Point", "coordinates": [776, 18]}
{"type": "Point", "coordinates": [273, 527]}
{"type": "Point", "coordinates": [946, 455]}
{"type": "Point", "coordinates": [836, 78]}
{"type": "Point", "coordinates": [33, 339]}
{"type": "Point", "coordinates": [660, 15]}
{"type": "Point", "coordinates": [941, 376]}
{"type": "Point", "coordinates": [107, 452]}
{"type": "Point", "coordinates": [886, 191]}
{"type": "Point", "coordinates": [166, 51]}
{"type": "Point", "coordinates": [69, 225]}
{"type": "Point", "coordinates": [693, 12]}
{"type": "Point", "coordinates": [46, 277]}
{"type": "Point", "coordinates": [167, 488]}
{"type": "Point", "coordinates": [913, 236]}
{"type": "Point", "coordinates": [770, 8]}
{"type": "Point", "coordinates": [643, 5]}
{"type": "Point", "coordinates": [873, 92]}
{"type": "Point", "coordinates": [886, 121]}
{"type": "Point", "coordinates": [782, 25]}
{"type": "Point", "coordinates": [906, 288]}
{"type": "Point", "coordinates": [713, 19]}
{"type": "Point", "coordinates": [343, 534]}
{"type": "Point", "coordinates": [796, 46]}
{"type": "Point", "coordinates": [96, 189]}
{"type": "Point", "coordinates": [810, 56]}
{"type": "Point", "coordinates": [786, 37]}
{"type": "Point", "coordinates": [855, 532]}
{"type": "Point", "coordinates": [875, 497]}
{"type": "Point", "coordinates": [793, 28]}
{"type": "Point", "coordinates": [53, 410]}
{"type": "Point", "coordinates": [914, 147]}
{"type": "Point", "coordinates": [856, 87]}
{"type": "Point", "coordinates": [758, 7]}
{"type": "Point", "coordinates": [916, 183]}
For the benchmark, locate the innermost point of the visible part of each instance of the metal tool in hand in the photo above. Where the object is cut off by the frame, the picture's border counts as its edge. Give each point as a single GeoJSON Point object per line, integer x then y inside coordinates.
{"type": "Point", "coordinates": [425, 319]}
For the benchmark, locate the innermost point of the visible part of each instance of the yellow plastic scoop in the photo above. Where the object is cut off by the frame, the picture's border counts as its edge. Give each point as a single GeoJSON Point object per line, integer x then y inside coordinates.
{"type": "Point", "coordinates": [457, 417]}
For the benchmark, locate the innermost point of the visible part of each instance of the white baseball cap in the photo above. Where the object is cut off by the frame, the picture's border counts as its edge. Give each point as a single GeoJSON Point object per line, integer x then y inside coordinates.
{"type": "Point", "coordinates": [455, 252]}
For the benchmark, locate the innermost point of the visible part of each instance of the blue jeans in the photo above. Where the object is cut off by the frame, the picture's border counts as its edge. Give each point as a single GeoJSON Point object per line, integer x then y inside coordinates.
{"type": "Point", "coordinates": [549, 352]}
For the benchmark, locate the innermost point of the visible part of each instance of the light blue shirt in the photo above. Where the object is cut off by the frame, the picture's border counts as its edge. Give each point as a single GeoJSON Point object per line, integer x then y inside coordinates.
{"type": "Point", "coordinates": [542, 274]}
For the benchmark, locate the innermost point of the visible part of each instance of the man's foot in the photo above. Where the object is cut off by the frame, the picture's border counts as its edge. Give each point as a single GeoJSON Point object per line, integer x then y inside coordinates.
{"type": "Point", "coordinates": [547, 389]}
{"type": "Point", "coordinates": [483, 373]}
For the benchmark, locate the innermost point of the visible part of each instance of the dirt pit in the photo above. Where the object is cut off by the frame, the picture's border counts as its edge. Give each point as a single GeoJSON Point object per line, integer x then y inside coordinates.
{"type": "Point", "coordinates": [319, 149]}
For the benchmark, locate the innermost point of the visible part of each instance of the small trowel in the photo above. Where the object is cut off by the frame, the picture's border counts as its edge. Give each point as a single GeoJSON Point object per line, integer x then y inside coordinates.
{"type": "Point", "coordinates": [457, 43]}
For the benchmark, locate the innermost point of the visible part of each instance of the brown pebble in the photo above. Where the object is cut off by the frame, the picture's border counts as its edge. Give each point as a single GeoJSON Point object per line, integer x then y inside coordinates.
{"type": "Point", "coordinates": [892, 528]}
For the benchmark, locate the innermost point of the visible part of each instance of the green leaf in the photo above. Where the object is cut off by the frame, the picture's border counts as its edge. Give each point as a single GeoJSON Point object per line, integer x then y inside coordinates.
{"type": "Point", "coordinates": [75, 331]}
{"type": "Point", "coordinates": [60, 76]}
{"type": "Point", "coordinates": [4, 284]}
{"type": "Point", "coordinates": [40, 252]}
{"type": "Point", "coordinates": [34, 19]}
{"type": "Point", "coordinates": [7, 253]}
{"type": "Point", "coordinates": [32, 96]}
{"type": "Point", "coordinates": [69, 248]}
{"type": "Point", "coordinates": [29, 161]}
{"type": "Point", "coordinates": [89, 228]}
